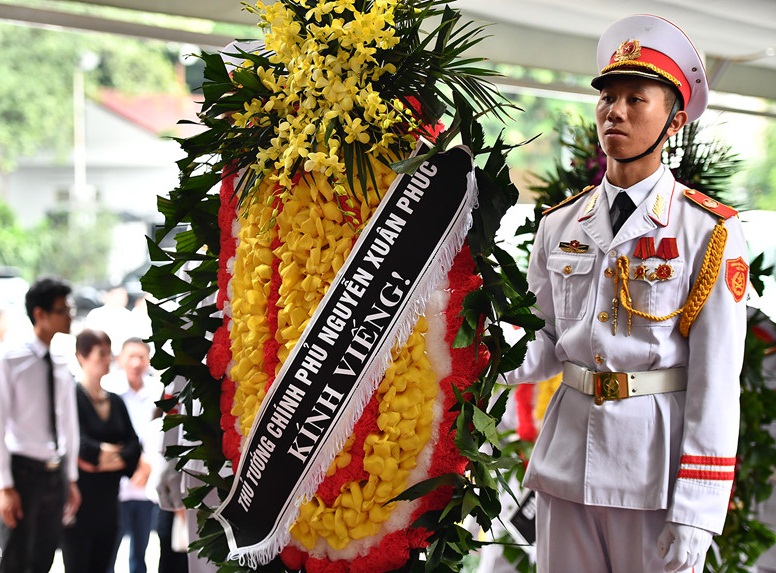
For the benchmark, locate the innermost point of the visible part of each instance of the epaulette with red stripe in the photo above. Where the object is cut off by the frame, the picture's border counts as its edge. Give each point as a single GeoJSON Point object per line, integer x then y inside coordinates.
{"type": "Point", "coordinates": [569, 200]}
{"type": "Point", "coordinates": [711, 205]}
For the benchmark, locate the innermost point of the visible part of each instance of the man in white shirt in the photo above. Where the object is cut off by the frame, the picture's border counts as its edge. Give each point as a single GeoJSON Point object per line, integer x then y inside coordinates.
{"type": "Point", "coordinates": [38, 443]}
{"type": "Point", "coordinates": [139, 390]}
{"type": "Point", "coordinates": [113, 318]}
{"type": "Point", "coordinates": [642, 284]}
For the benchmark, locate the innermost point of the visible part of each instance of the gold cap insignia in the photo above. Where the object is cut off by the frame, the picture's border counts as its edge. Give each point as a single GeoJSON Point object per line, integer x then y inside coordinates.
{"type": "Point", "coordinates": [628, 50]}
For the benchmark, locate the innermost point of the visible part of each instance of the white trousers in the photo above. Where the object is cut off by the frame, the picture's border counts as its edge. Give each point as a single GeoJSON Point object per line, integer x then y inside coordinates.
{"type": "Point", "coordinates": [577, 538]}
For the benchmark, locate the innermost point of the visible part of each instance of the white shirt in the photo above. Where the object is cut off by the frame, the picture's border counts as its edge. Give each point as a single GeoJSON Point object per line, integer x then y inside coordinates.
{"type": "Point", "coordinates": [638, 192]}
{"type": "Point", "coordinates": [24, 408]}
{"type": "Point", "coordinates": [118, 322]}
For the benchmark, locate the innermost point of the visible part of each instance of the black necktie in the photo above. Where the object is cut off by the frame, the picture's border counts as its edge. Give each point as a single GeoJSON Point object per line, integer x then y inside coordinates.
{"type": "Point", "coordinates": [622, 209]}
{"type": "Point", "coordinates": [52, 398]}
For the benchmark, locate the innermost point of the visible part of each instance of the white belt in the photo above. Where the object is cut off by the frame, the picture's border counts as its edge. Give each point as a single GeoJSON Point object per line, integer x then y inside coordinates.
{"type": "Point", "coordinates": [618, 385]}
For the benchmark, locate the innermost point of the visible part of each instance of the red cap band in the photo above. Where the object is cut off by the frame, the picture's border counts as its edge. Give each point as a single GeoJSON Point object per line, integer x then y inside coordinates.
{"type": "Point", "coordinates": [658, 63]}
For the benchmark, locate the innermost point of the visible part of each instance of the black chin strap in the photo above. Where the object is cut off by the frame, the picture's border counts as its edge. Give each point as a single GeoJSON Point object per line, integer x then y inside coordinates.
{"type": "Point", "coordinates": [676, 107]}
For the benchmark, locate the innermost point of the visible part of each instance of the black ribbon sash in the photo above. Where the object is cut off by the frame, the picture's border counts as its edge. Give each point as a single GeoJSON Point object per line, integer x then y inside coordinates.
{"type": "Point", "coordinates": [332, 372]}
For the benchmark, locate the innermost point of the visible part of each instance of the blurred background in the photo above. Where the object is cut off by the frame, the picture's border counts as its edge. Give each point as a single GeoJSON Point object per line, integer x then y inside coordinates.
{"type": "Point", "coordinates": [92, 94]}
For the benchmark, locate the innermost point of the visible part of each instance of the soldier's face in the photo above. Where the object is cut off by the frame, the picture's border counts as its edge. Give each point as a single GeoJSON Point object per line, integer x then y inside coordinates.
{"type": "Point", "coordinates": [630, 115]}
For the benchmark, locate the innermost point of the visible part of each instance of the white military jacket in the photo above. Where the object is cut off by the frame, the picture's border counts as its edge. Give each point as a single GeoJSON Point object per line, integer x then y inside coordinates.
{"type": "Point", "coordinates": [673, 451]}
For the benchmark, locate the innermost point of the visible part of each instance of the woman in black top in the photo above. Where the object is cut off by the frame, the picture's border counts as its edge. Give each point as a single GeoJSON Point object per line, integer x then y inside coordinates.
{"type": "Point", "coordinates": [109, 449]}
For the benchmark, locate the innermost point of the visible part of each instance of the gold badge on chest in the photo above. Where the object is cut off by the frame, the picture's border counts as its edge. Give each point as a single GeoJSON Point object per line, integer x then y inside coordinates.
{"type": "Point", "coordinates": [573, 247]}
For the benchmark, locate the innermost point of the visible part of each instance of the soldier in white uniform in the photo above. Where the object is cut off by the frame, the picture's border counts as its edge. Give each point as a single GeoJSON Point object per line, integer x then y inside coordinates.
{"type": "Point", "coordinates": [635, 460]}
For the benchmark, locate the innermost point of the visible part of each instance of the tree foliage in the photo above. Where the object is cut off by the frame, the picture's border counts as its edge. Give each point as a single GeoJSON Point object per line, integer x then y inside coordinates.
{"type": "Point", "coordinates": [76, 251]}
{"type": "Point", "coordinates": [16, 249]}
{"type": "Point", "coordinates": [36, 92]}
{"type": "Point", "coordinates": [36, 114]}
{"type": "Point", "coordinates": [36, 86]}
{"type": "Point", "coordinates": [543, 115]}
{"type": "Point", "coordinates": [760, 182]}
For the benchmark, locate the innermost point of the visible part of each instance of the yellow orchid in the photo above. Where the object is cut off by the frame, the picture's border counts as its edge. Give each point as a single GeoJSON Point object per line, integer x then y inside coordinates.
{"type": "Point", "coordinates": [313, 87]}
{"type": "Point", "coordinates": [355, 130]}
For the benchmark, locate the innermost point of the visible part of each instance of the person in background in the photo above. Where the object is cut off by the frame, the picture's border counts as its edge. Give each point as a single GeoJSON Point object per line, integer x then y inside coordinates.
{"type": "Point", "coordinates": [172, 486]}
{"type": "Point", "coordinates": [642, 285]}
{"type": "Point", "coordinates": [172, 559]}
{"type": "Point", "coordinates": [3, 324]}
{"type": "Point", "coordinates": [139, 390]}
{"type": "Point", "coordinates": [109, 449]}
{"type": "Point", "coordinates": [38, 436]}
{"type": "Point", "coordinates": [141, 322]}
{"type": "Point", "coordinates": [113, 317]}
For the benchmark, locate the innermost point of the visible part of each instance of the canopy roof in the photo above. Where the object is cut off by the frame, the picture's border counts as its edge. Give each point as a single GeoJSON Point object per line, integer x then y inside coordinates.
{"type": "Point", "coordinates": [737, 37]}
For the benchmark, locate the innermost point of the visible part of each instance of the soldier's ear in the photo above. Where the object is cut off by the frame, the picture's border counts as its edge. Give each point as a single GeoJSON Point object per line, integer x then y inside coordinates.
{"type": "Point", "coordinates": [677, 123]}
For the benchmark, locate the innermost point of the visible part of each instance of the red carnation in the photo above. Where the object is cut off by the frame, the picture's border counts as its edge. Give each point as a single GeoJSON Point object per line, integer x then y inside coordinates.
{"type": "Point", "coordinates": [220, 353]}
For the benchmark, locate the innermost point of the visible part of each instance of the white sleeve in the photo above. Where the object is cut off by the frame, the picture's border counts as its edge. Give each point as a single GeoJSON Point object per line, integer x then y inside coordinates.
{"type": "Point", "coordinates": [73, 432]}
{"type": "Point", "coordinates": [6, 478]}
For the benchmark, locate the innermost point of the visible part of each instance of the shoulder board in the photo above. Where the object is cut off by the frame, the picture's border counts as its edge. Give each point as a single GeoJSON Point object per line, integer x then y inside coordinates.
{"type": "Point", "coordinates": [569, 200]}
{"type": "Point", "coordinates": [711, 205]}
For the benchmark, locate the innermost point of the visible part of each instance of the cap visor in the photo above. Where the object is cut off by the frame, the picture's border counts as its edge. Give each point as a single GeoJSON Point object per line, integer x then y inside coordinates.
{"type": "Point", "coordinates": [598, 82]}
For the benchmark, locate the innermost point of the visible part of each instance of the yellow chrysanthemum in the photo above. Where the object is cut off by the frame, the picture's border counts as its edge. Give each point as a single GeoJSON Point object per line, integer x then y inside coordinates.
{"type": "Point", "coordinates": [313, 241]}
{"type": "Point", "coordinates": [250, 329]}
{"type": "Point", "coordinates": [406, 398]}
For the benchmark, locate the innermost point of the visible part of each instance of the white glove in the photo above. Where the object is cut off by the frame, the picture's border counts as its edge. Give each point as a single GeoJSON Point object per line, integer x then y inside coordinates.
{"type": "Point", "coordinates": [682, 546]}
{"type": "Point", "coordinates": [169, 488]}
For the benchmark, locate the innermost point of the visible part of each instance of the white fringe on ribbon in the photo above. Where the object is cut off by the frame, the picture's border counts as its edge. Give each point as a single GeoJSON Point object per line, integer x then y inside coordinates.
{"type": "Point", "coordinates": [435, 272]}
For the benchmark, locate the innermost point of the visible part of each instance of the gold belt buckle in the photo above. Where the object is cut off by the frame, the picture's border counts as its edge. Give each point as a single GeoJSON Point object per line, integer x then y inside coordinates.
{"type": "Point", "coordinates": [609, 386]}
{"type": "Point", "coordinates": [52, 464]}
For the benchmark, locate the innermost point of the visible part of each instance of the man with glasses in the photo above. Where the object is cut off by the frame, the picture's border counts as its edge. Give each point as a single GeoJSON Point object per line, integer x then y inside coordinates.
{"type": "Point", "coordinates": [38, 436]}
